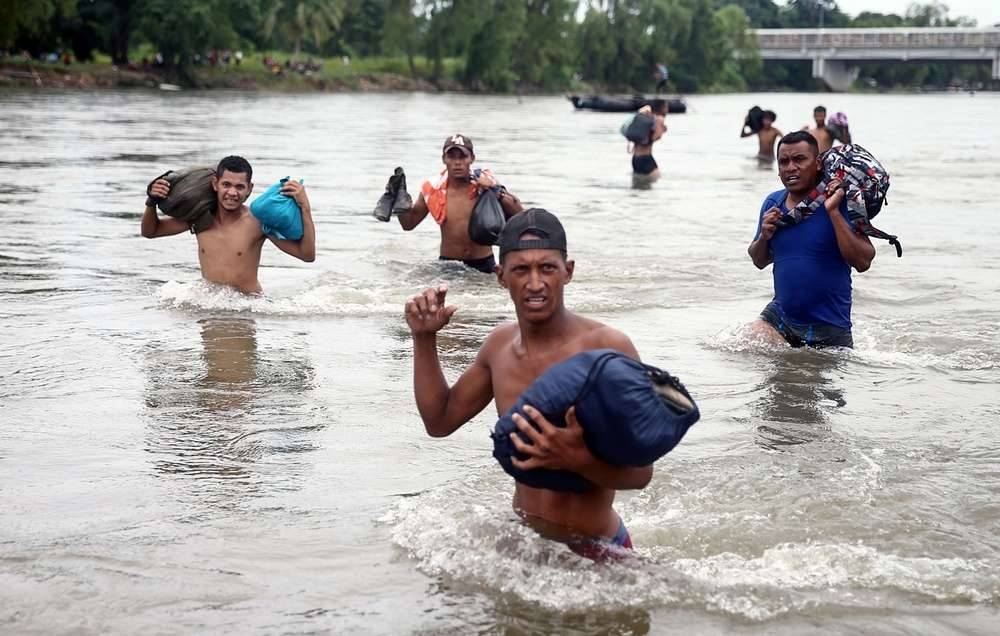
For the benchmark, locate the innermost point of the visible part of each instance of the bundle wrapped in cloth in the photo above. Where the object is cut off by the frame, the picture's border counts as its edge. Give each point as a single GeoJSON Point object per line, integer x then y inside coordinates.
{"type": "Point", "coordinates": [631, 414]}
{"type": "Point", "coordinates": [191, 199]}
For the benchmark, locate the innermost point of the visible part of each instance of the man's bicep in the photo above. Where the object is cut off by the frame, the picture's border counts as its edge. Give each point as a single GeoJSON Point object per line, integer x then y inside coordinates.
{"type": "Point", "coordinates": [292, 248]}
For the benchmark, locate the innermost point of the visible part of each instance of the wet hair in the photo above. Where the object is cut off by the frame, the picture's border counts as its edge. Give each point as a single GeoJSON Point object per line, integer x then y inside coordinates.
{"type": "Point", "coordinates": [798, 137]}
{"type": "Point", "coordinates": [819, 109]}
{"type": "Point", "coordinates": [237, 164]}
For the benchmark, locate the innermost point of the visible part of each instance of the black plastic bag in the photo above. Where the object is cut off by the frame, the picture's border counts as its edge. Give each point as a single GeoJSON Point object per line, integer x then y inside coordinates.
{"type": "Point", "coordinates": [487, 219]}
{"type": "Point", "coordinates": [755, 119]}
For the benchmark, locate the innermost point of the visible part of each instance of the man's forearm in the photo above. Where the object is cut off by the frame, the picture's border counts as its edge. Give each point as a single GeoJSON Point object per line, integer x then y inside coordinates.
{"type": "Point", "coordinates": [510, 203]}
{"type": "Point", "coordinates": [429, 385]}
{"type": "Point", "coordinates": [760, 253]}
{"type": "Point", "coordinates": [150, 221]}
{"type": "Point", "coordinates": [308, 241]}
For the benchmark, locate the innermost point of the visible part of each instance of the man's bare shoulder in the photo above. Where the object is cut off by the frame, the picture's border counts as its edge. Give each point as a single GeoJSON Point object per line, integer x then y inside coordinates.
{"type": "Point", "coordinates": [501, 336]}
{"type": "Point", "coordinates": [602, 336]}
{"type": "Point", "coordinates": [252, 222]}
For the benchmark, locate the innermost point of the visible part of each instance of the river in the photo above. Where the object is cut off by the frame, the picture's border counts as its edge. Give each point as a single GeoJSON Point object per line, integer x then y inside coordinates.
{"type": "Point", "coordinates": [177, 458]}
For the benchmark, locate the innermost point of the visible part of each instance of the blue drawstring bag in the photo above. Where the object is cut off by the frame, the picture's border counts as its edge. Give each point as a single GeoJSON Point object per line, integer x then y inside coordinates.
{"type": "Point", "coordinates": [631, 414]}
{"type": "Point", "coordinates": [279, 215]}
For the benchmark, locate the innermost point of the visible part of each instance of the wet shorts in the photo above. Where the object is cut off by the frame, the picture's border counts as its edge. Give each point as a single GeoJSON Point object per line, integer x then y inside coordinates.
{"type": "Point", "coordinates": [485, 265]}
{"type": "Point", "coordinates": [602, 549]}
{"type": "Point", "coordinates": [818, 335]}
{"type": "Point", "coordinates": [643, 164]}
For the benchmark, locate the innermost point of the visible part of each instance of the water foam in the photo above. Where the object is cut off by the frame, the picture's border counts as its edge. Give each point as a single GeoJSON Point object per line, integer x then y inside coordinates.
{"type": "Point", "coordinates": [344, 298]}
{"type": "Point", "coordinates": [468, 535]}
{"type": "Point", "coordinates": [884, 344]}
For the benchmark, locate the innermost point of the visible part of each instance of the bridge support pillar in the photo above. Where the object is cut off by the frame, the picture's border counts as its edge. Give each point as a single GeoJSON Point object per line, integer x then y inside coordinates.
{"type": "Point", "coordinates": [838, 75]}
{"type": "Point", "coordinates": [996, 64]}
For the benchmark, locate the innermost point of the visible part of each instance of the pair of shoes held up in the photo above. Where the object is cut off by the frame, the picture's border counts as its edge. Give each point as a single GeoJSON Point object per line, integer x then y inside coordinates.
{"type": "Point", "coordinates": [395, 200]}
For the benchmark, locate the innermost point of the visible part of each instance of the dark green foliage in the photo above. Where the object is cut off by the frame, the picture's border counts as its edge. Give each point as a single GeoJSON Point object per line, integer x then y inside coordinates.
{"type": "Point", "coordinates": [361, 30]}
{"type": "Point", "coordinates": [488, 45]}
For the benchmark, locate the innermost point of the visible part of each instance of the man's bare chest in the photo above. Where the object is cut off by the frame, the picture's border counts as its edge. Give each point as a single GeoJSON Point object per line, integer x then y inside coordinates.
{"type": "Point", "coordinates": [234, 241]}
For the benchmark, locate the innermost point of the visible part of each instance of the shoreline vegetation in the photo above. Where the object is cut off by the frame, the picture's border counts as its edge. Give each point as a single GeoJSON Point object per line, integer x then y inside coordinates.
{"type": "Point", "coordinates": [100, 76]}
{"type": "Point", "coordinates": [508, 47]}
{"type": "Point", "coordinates": [328, 75]}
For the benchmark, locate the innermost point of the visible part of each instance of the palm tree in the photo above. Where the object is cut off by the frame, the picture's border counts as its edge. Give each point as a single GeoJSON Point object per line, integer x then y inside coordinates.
{"type": "Point", "coordinates": [298, 19]}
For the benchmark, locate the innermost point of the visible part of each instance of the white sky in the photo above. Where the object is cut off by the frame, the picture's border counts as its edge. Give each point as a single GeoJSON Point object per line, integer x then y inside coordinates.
{"type": "Point", "coordinates": [986, 12]}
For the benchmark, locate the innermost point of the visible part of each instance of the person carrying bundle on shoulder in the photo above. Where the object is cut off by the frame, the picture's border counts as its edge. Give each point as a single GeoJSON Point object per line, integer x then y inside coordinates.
{"type": "Point", "coordinates": [642, 130]}
{"type": "Point", "coordinates": [760, 122]}
{"type": "Point", "coordinates": [212, 205]}
{"type": "Point", "coordinates": [809, 234]}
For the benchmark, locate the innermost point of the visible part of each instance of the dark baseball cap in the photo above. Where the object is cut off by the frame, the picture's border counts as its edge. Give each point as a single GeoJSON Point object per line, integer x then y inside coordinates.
{"type": "Point", "coordinates": [458, 141]}
{"type": "Point", "coordinates": [536, 221]}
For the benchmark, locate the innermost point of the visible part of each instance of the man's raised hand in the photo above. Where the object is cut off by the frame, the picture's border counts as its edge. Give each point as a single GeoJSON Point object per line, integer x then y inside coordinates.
{"type": "Point", "coordinates": [426, 313]}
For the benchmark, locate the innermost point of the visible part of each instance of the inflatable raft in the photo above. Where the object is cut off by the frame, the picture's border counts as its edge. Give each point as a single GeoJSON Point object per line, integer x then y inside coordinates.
{"type": "Point", "coordinates": [622, 104]}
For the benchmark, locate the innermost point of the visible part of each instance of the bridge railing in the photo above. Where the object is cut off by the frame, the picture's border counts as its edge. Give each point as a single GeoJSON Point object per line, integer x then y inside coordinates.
{"type": "Point", "coordinates": [897, 38]}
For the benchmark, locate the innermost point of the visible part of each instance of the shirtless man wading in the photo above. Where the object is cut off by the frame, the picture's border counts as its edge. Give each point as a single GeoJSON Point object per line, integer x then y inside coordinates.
{"type": "Point", "coordinates": [824, 140]}
{"type": "Point", "coordinates": [767, 136]}
{"type": "Point", "coordinates": [450, 200]}
{"type": "Point", "coordinates": [534, 269]}
{"type": "Point", "coordinates": [229, 250]}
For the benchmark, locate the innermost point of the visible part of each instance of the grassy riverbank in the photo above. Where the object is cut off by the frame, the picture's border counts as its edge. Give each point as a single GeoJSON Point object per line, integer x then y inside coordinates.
{"type": "Point", "coordinates": [306, 74]}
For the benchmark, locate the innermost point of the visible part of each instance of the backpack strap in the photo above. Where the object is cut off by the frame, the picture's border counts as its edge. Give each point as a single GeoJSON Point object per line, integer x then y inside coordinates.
{"type": "Point", "coordinates": [865, 227]}
{"type": "Point", "coordinates": [805, 208]}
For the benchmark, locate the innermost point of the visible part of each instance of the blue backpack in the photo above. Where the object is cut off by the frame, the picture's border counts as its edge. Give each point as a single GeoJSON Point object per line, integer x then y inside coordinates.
{"type": "Point", "coordinates": [279, 214]}
{"type": "Point", "coordinates": [631, 414]}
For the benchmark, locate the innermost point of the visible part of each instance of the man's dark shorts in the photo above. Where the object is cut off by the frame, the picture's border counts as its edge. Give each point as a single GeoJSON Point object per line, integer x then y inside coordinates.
{"type": "Point", "coordinates": [486, 265]}
{"type": "Point", "coordinates": [643, 164]}
{"type": "Point", "coordinates": [818, 335]}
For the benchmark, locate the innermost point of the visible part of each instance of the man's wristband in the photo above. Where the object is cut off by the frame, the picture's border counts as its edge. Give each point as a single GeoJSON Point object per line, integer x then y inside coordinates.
{"type": "Point", "coordinates": [150, 202]}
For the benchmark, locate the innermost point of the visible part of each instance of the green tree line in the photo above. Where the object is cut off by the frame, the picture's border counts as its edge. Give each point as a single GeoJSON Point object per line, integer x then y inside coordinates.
{"type": "Point", "coordinates": [496, 45]}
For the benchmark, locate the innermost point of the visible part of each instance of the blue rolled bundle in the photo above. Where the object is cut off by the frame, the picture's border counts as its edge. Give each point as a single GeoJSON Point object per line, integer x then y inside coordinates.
{"type": "Point", "coordinates": [279, 215]}
{"type": "Point", "coordinates": [631, 414]}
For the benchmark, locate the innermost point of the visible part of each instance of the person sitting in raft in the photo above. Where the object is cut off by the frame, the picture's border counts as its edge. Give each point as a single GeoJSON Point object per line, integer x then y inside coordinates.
{"type": "Point", "coordinates": [767, 135]}
{"type": "Point", "coordinates": [450, 197]}
{"type": "Point", "coordinates": [230, 242]}
{"type": "Point", "coordinates": [534, 269]}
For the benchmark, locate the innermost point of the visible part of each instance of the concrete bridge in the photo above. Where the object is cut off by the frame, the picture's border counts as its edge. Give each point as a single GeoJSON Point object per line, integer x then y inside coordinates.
{"type": "Point", "coordinates": [835, 52]}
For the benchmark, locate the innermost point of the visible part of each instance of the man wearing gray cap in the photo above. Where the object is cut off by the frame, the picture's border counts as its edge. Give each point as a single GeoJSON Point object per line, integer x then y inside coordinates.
{"type": "Point", "coordinates": [534, 269]}
{"type": "Point", "coordinates": [449, 199]}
